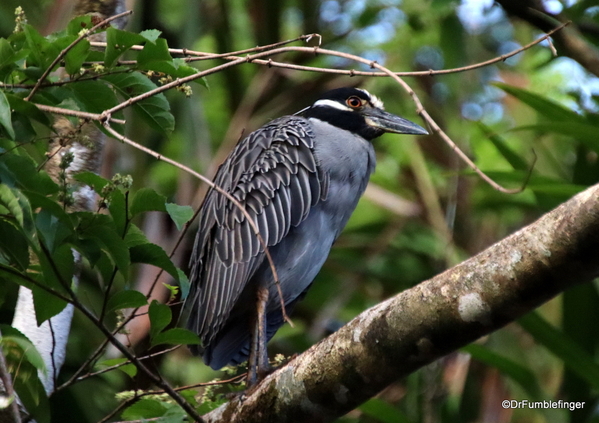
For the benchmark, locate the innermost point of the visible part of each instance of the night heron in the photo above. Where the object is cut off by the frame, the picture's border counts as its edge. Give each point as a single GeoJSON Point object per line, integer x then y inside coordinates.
{"type": "Point", "coordinates": [299, 178]}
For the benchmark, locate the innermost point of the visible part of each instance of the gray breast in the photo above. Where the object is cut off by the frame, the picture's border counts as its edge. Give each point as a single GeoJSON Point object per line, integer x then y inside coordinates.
{"type": "Point", "coordinates": [349, 161]}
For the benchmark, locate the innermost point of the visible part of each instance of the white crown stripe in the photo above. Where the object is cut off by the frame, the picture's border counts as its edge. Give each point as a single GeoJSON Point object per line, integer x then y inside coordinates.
{"type": "Point", "coordinates": [333, 104]}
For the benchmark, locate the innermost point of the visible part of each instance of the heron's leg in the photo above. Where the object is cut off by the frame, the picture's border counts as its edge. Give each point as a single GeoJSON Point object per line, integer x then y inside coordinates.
{"type": "Point", "coordinates": [258, 361]}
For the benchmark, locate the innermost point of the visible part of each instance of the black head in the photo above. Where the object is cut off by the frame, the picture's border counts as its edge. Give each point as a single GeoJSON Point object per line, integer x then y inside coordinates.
{"type": "Point", "coordinates": [360, 112]}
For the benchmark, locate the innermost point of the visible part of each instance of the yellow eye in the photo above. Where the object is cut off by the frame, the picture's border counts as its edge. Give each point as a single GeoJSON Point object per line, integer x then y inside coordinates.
{"type": "Point", "coordinates": [354, 102]}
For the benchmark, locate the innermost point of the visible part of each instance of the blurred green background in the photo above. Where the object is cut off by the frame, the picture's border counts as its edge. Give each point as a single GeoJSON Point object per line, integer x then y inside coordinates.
{"type": "Point", "coordinates": [426, 211]}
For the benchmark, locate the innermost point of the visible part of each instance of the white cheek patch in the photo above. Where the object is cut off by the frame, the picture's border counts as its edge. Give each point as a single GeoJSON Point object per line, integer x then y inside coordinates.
{"type": "Point", "coordinates": [371, 123]}
{"type": "Point", "coordinates": [333, 104]}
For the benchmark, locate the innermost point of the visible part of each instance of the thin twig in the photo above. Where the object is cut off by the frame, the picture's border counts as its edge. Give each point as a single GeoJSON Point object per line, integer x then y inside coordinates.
{"type": "Point", "coordinates": [140, 366]}
{"type": "Point", "coordinates": [94, 356]}
{"type": "Point", "coordinates": [76, 113]}
{"type": "Point", "coordinates": [200, 56]}
{"type": "Point", "coordinates": [256, 59]}
{"type": "Point", "coordinates": [64, 52]}
{"type": "Point", "coordinates": [107, 333]}
{"type": "Point", "coordinates": [424, 114]}
{"type": "Point", "coordinates": [187, 52]}
{"type": "Point", "coordinates": [316, 50]}
{"type": "Point", "coordinates": [124, 363]}
{"type": "Point", "coordinates": [92, 77]}
{"type": "Point", "coordinates": [210, 56]}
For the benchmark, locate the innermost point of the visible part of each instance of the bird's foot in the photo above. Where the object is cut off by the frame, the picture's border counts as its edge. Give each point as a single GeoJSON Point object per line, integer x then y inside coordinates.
{"type": "Point", "coordinates": [256, 374]}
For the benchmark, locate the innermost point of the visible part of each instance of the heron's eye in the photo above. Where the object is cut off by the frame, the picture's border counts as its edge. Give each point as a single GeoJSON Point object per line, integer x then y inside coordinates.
{"type": "Point", "coordinates": [354, 102]}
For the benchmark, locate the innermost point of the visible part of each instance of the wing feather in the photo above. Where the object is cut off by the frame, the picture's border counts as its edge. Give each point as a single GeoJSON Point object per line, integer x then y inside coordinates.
{"type": "Point", "coordinates": [274, 174]}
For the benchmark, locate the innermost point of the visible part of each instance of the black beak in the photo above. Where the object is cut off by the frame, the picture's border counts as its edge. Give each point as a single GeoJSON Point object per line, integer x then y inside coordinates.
{"type": "Point", "coordinates": [388, 122]}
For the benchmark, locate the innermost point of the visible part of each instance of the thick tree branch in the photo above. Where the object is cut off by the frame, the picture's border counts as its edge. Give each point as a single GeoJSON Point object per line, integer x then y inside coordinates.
{"type": "Point", "coordinates": [422, 324]}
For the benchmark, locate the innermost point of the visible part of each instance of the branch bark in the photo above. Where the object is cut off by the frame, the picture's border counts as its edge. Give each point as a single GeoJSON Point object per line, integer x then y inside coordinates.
{"type": "Point", "coordinates": [436, 317]}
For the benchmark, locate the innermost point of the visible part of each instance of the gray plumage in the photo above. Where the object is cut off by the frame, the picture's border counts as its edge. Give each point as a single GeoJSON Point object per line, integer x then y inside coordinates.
{"type": "Point", "coordinates": [299, 178]}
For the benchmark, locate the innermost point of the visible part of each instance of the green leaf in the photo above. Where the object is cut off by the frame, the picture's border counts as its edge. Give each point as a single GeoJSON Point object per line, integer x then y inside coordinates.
{"type": "Point", "coordinates": [21, 172]}
{"type": "Point", "coordinates": [183, 284]}
{"type": "Point", "coordinates": [585, 133]}
{"type": "Point", "coordinates": [176, 336]}
{"type": "Point", "coordinates": [52, 230]}
{"type": "Point", "coordinates": [93, 96]}
{"type": "Point", "coordinates": [10, 335]}
{"type": "Point", "coordinates": [574, 357]}
{"type": "Point", "coordinates": [129, 369]}
{"type": "Point", "coordinates": [42, 53]}
{"type": "Point", "coordinates": [173, 289]}
{"type": "Point", "coordinates": [28, 109]}
{"type": "Point", "coordinates": [21, 354]}
{"type": "Point", "coordinates": [155, 110]}
{"type": "Point", "coordinates": [579, 303]}
{"type": "Point", "coordinates": [183, 70]}
{"type": "Point", "coordinates": [118, 210]}
{"type": "Point", "coordinates": [145, 200]}
{"type": "Point", "coordinates": [145, 408]}
{"type": "Point", "coordinates": [76, 56]}
{"type": "Point", "coordinates": [92, 251]}
{"type": "Point", "coordinates": [92, 179]}
{"type": "Point", "coordinates": [160, 316]}
{"type": "Point", "coordinates": [5, 116]}
{"type": "Point", "coordinates": [155, 56]}
{"type": "Point", "coordinates": [46, 305]}
{"type": "Point", "coordinates": [79, 23]}
{"type": "Point", "coordinates": [153, 254]}
{"type": "Point", "coordinates": [151, 34]}
{"type": "Point", "coordinates": [102, 229]}
{"type": "Point", "coordinates": [382, 411]}
{"type": "Point", "coordinates": [547, 108]}
{"type": "Point", "coordinates": [18, 206]}
{"type": "Point", "coordinates": [46, 204]}
{"type": "Point", "coordinates": [126, 299]}
{"type": "Point", "coordinates": [102, 261]}
{"type": "Point", "coordinates": [180, 214]}
{"type": "Point", "coordinates": [7, 54]}
{"type": "Point", "coordinates": [13, 244]}
{"type": "Point", "coordinates": [32, 394]}
{"type": "Point", "coordinates": [174, 414]}
{"type": "Point", "coordinates": [135, 236]}
{"type": "Point", "coordinates": [154, 52]}
{"type": "Point", "coordinates": [118, 42]}
{"type": "Point", "coordinates": [520, 374]}
{"type": "Point", "coordinates": [517, 162]}
{"type": "Point", "coordinates": [58, 267]}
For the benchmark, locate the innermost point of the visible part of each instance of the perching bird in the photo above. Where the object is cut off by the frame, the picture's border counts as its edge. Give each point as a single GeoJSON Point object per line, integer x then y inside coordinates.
{"type": "Point", "coordinates": [299, 178]}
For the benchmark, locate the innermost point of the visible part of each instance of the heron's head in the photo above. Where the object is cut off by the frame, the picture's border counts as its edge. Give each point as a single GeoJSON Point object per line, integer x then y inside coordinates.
{"type": "Point", "coordinates": [358, 111]}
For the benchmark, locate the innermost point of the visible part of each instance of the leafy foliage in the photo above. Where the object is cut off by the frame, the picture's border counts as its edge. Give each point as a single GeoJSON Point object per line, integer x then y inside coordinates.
{"type": "Point", "coordinates": [39, 235]}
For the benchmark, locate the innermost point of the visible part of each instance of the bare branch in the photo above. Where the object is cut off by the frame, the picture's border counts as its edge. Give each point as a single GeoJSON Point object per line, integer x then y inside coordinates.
{"type": "Point", "coordinates": [76, 113]}
{"type": "Point", "coordinates": [200, 56]}
{"type": "Point", "coordinates": [316, 50]}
